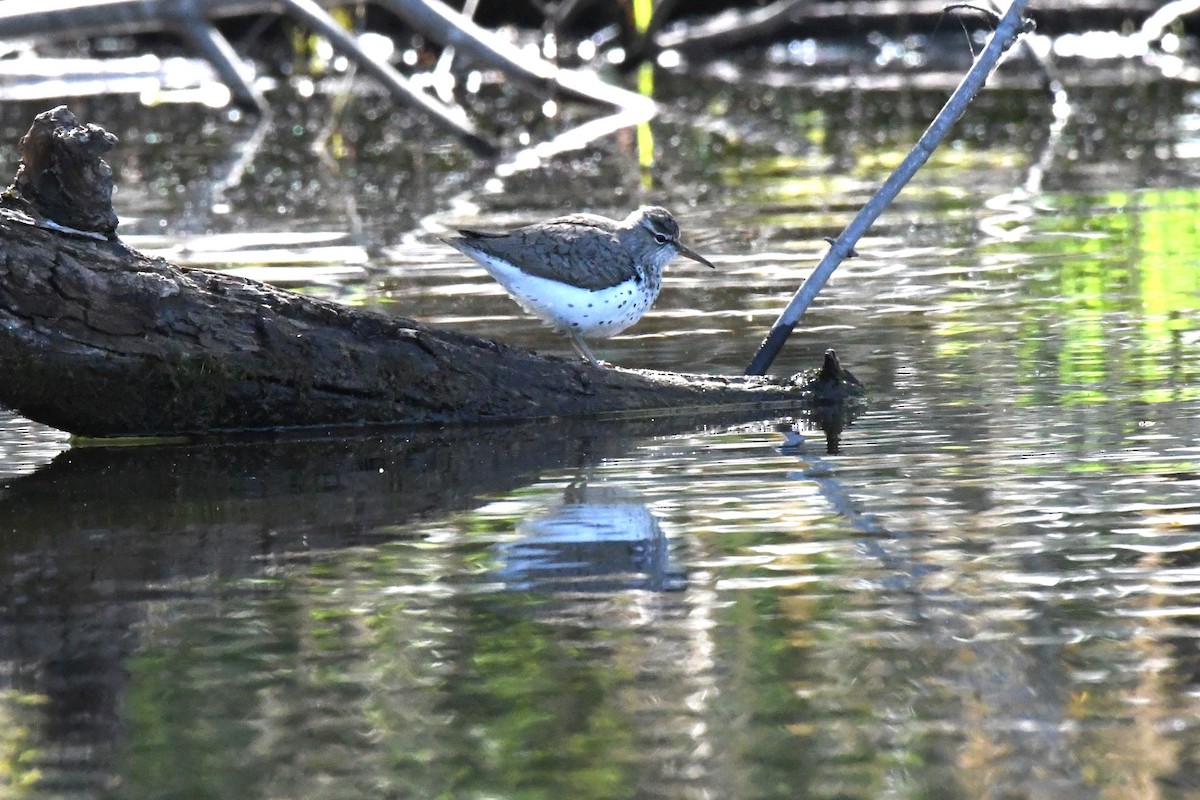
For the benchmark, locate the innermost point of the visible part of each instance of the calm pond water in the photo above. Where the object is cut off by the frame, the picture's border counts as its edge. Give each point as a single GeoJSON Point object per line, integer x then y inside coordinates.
{"type": "Point", "coordinates": [991, 590]}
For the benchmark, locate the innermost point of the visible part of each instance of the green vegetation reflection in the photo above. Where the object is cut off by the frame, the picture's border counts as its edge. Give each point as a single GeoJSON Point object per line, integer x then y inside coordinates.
{"type": "Point", "coordinates": [361, 675]}
{"type": "Point", "coordinates": [1107, 291]}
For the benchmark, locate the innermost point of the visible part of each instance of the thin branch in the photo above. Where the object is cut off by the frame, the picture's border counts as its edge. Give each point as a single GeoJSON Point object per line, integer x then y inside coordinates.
{"type": "Point", "coordinates": [1012, 25]}
{"type": "Point", "coordinates": [731, 28]}
{"type": "Point", "coordinates": [451, 118]}
{"type": "Point", "coordinates": [437, 21]}
{"type": "Point", "coordinates": [1156, 24]}
{"type": "Point", "coordinates": [216, 48]}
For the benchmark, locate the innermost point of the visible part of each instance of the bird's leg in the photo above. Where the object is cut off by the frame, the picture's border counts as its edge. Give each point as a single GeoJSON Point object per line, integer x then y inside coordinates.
{"type": "Point", "coordinates": [582, 348]}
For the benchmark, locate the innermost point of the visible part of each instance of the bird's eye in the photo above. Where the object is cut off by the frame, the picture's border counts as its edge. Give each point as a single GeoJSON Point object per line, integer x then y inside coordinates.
{"type": "Point", "coordinates": [661, 238]}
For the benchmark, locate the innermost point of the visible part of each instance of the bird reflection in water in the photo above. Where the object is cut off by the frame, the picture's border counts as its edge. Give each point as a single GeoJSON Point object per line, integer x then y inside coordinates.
{"type": "Point", "coordinates": [601, 539]}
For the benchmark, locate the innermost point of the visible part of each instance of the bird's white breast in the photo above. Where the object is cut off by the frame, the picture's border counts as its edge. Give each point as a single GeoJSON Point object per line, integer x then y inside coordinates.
{"type": "Point", "coordinates": [566, 308]}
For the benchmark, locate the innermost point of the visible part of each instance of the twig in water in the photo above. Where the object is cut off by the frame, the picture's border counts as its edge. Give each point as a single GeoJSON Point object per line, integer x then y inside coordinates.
{"type": "Point", "coordinates": [987, 12]}
{"type": "Point", "coordinates": [852, 254]}
{"type": "Point", "coordinates": [451, 118]}
{"type": "Point", "coordinates": [1009, 28]}
{"type": "Point", "coordinates": [1157, 24]}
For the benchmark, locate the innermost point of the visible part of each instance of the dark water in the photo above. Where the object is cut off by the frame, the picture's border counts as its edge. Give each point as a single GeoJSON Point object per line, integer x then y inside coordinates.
{"type": "Point", "coordinates": [992, 590]}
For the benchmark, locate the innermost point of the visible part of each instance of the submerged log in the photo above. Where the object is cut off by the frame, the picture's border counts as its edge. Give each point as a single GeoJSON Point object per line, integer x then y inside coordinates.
{"type": "Point", "coordinates": [100, 340]}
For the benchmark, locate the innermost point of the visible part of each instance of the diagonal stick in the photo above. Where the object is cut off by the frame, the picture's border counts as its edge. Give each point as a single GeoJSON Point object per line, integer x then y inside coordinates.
{"type": "Point", "coordinates": [1010, 27]}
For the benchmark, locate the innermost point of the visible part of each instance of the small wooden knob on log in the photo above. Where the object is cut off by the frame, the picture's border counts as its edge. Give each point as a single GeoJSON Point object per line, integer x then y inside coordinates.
{"type": "Point", "coordinates": [62, 177]}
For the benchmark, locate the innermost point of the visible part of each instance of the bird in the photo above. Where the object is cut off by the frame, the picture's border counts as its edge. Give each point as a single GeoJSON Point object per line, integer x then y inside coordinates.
{"type": "Point", "coordinates": [584, 275]}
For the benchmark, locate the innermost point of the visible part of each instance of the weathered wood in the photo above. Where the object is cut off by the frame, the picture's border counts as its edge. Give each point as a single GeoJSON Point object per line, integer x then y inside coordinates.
{"type": "Point", "coordinates": [77, 18]}
{"type": "Point", "coordinates": [191, 19]}
{"type": "Point", "coordinates": [451, 118]}
{"type": "Point", "coordinates": [440, 23]}
{"type": "Point", "coordinates": [62, 177]}
{"type": "Point", "coordinates": [99, 340]}
{"type": "Point", "coordinates": [827, 18]}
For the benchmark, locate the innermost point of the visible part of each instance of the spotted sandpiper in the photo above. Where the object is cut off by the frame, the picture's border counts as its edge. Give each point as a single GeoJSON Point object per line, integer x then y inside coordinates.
{"type": "Point", "coordinates": [582, 274]}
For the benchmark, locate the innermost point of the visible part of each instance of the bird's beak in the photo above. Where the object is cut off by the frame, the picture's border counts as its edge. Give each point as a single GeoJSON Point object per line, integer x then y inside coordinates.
{"type": "Point", "coordinates": [688, 252]}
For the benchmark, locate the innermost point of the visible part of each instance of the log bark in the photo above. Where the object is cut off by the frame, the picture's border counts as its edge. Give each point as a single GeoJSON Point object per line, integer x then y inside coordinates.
{"type": "Point", "coordinates": [99, 340]}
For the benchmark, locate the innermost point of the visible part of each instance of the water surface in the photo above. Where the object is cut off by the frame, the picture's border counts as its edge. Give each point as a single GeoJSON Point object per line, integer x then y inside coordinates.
{"type": "Point", "coordinates": [991, 590]}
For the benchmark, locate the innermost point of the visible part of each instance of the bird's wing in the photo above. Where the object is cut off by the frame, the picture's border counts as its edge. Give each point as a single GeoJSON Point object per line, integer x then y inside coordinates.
{"type": "Point", "coordinates": [579, 249]}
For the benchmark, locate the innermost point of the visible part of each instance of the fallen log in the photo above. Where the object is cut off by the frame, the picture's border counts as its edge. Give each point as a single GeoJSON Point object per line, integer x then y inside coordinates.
{"type": "Point", "coordinates": [99, 340]}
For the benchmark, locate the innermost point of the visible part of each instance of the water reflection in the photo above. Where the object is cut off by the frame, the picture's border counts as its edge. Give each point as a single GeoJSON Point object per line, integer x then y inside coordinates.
{"type": "Point", "coordinates": [349, 618]}
{"type": "Point", "coordinates": [600, 539]}
{"type": "Point", "coordinates": [101, 586]}
{"type": "Point", "coordinates": [25, 445]}
{"type": "Point", "coordinates": [990, 590]}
